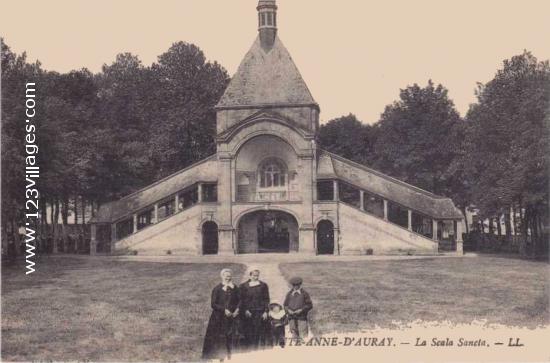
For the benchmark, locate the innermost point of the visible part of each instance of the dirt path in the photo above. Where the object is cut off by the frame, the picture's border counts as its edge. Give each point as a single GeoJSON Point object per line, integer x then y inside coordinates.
{"type": "Point", "coordinates": [271, 275]}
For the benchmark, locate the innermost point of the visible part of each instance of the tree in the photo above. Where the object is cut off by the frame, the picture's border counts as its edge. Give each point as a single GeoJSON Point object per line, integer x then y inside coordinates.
{"type": "Point", "coordinates": [348, 137]}
{"type": "Point", "coordinates": [186, 89]}
{"type": "Point", "coordinates": [122, 162]}
{"type": "Point", "coordinates": [15, 73]}
{"type": "Point", "coordinates": [66, 107]}
{"type": "Point", "coordinates": [508, 133]}
{"type": "Point", "coordinates": [416, 138]}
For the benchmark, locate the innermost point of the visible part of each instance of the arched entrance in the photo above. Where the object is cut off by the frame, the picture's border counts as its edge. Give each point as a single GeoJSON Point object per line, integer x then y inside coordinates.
{"type": "Point", "coordinates": [267, 232]}
{"type": "Point", "coordinates": [325, 238]}
{"type": "Point", "coordinates": [209, 238]}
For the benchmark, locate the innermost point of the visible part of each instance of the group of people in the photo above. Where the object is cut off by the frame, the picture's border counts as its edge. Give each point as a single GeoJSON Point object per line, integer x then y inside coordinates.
{"type": "Point", "coordinates": [244, 318]}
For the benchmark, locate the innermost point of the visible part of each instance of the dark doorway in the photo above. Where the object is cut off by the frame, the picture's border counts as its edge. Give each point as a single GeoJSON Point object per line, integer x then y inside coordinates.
{"type": "Point", "coordinates": [273, 233]}
{"type": "Point", "coordinates": [325, 238]}
{"type": "Point", "coordinates": [209, 238]}
{"type": "Point", "coordinates": [268, 232]}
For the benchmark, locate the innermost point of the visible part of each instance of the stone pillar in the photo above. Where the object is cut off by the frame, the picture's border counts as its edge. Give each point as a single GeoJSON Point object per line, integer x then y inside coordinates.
{"type": "Point", "coordinates": [307, 240]}
{"type": "Point", "coordinates": [113, 232]}
{"type": "Point", "coordinates": [512, 222]}
{"type": "Point", "coordinates": [362, 200]}
{"type": "Point", "coordinates": [156, 214]}
{"type": "Point", "coordinates": [434, 236]}
{"type": "Point", "coordinates": [177, 202]}
{"type": "Point", "coordinates": [336, 194]}
{"type": "Point", "coordinates": [225, 240]}
{"type": "Point", "coordinates": [225, 229]}
{"type": "Point", "coordinates": [234, 181]}
{"type": "Point", "coordinates": [113, 237]}
{"type": "Point", "coordinates": [336, 241]}
{"type": "Point", "coordinates": [385, 210]}
{"type": "Point", "coordinates": [307, 230]}
{"type": "Point", "coordinates": [410, 218]}
{"type": "Point", "coordinates": [93, 241]}
{"type": "Point", "coordinates": [314, 190]}
{"type": "Point", "coordinates": [199, 192]}
{"type": "Point", "coordinates": [135, 223]}
{"type": "Point", "coordinates": [459, 242]}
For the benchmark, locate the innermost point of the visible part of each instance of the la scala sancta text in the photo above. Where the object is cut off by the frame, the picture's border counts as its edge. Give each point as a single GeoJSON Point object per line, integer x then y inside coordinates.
{"type": "Point", "coordinates": [447, 342]}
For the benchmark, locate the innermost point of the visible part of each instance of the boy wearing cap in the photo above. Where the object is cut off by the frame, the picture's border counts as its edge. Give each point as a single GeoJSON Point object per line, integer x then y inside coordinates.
{"type": "Point", "coordinates": [297, 305]}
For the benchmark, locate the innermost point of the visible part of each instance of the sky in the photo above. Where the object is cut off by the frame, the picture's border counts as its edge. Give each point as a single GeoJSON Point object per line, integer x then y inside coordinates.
{"type": "Point", "coordinates": [355, 55]}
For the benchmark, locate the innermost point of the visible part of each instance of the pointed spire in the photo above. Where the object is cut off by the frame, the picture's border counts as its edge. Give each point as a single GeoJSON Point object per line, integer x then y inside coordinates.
{"type": "Point", "coordinates": [267, 22]}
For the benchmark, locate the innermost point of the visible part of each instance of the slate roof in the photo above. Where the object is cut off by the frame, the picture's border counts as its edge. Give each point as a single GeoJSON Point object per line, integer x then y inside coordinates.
{"type": "Point", "coordinates": [390, 188]}
{"type": "Point", "coordinates": [203, 171]}
{"type": "Point", "coordinates": [266, 78]}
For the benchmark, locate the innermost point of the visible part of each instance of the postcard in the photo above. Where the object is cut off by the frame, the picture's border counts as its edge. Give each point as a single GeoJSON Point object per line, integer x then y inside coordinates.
{"type": "Point", "coordinates": [275, 181]}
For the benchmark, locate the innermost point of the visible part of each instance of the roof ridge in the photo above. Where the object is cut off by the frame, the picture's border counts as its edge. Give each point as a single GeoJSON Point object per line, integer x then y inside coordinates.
{"type": "Point", "coordinates": [164, 179]}
{"type": "Point", "coordinates": [385, 176]}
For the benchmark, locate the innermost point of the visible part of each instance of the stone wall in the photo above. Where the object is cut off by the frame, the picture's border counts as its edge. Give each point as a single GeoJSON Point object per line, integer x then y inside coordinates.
{"type": "Point", "coordinates": [179, 234]}
{"type": "Point", "coordinates": [247, 234]}
{"type": "Point", "coordinates": [306, 117]}
{"type": "Point", "coordinates": [360, 231]}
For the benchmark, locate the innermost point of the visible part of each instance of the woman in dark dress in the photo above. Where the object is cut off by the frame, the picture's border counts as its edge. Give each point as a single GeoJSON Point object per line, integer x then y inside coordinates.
{"type": "Point", "coordinates": [221, 332]}
{"type": "Point", "coordinates": [254, 310]}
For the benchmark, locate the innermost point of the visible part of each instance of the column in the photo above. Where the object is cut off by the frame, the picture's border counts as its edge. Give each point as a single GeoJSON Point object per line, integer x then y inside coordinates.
{"type": "Point", "coordinates": [385, 210]}
{"type": "Point", "coordinates": [512, 222]}
{"type": "Point", "coordinates": [434, 237]}
{"type": "Point", "coordinates": [410, 217]}
{"type": "Point", "coordinates": [362, 200]}
{"type": "Point", "coordinates": [93, 241]}
{"type": "Point", "coordinates": [307, 230]}
{"type": "Point", "coordinates": [225, 229]}
{"type": "Point", "coordinates": [135, 223]}
{"type": "Point", "coordinates": [199, 191]}
{"type": "Point", "coordinates": [336, 241]}
{"type": "Point", "coordinates": [459, 242]}
{"type": "Point", "coordinates": [336, 194]}
{"type": "Point", "coordinates": [315, 191]}
{"type": "Point", "coordinates": [113, 237]}
{"type": "Point", "coordinates": [234, 182]}
{"type": "Point", "coordinates": [177, 201]}
{"type": "Point", "coordinates": [156, 214]}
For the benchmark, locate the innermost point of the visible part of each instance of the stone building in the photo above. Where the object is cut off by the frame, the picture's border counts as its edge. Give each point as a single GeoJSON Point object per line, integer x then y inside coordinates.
{"type": "Point", "coordinates": [270, 188]}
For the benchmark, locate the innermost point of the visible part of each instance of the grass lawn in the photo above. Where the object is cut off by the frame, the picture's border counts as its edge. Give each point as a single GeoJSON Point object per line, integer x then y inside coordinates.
{"type": "Point", "coordinates": [102, 310]}
{"type": "Point", "coordinates": [348, 296]}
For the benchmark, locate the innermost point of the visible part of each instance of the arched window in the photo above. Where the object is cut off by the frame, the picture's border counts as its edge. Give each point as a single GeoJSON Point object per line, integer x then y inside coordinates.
{"type": "Point", "coordinates": [272, 174]}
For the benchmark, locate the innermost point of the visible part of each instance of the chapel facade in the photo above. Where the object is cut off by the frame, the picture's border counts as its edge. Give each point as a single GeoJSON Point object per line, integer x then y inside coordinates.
{"type": "Point", "coordinates": [270, 188]}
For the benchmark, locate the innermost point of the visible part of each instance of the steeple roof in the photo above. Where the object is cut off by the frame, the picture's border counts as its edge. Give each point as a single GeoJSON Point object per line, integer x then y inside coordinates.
{"type": "Point", "coordinates": [266, 77]}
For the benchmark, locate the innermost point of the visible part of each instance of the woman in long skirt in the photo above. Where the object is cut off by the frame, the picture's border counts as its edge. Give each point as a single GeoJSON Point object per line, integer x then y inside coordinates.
{"type": "Point", "coordinates": [221, 332]}
{"type": "Point", "coordinates": [254, 309]}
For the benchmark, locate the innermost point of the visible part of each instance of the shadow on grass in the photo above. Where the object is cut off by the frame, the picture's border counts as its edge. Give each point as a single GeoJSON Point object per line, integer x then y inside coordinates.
{"type": "Point", "coordinates": [350, 296]}
{"type": "Point", "coordinates": [100, 309]}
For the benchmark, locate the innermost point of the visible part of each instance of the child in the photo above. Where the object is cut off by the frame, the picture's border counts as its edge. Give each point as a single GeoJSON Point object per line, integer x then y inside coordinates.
{"type": "Point", "coordinates": [297, 305]}
{"type": "Point", "coordinates": [278, 320]}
